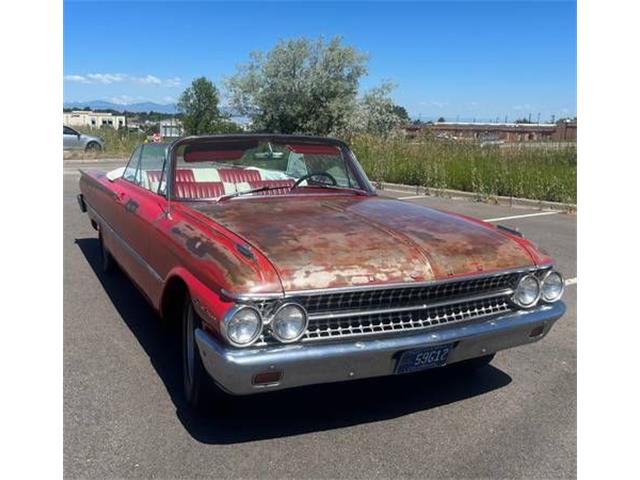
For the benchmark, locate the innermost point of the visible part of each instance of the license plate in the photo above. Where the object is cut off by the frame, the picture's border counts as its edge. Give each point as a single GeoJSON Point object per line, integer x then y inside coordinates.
{"type": "Point", "coordinates": [423, 358]}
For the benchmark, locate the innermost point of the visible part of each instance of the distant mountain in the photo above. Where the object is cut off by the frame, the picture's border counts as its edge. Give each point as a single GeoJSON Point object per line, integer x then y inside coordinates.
{"type": "Point", "coordinates": [128, 107]}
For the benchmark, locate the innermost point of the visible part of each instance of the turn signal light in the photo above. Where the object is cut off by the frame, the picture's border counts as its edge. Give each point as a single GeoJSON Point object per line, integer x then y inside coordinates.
{"type": "Point", "coordinates": [536, 332]}
{"type": "Point", "coordinates": [264, 378]}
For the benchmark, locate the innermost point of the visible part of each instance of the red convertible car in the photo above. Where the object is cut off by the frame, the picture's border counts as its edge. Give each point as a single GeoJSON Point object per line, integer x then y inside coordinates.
{"type": "Point", "coordinates": [285, 268]}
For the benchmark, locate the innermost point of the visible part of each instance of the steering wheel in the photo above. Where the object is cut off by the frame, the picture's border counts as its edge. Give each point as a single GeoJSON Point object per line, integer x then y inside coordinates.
{"type": "Point", "coordinates": [334, 183]}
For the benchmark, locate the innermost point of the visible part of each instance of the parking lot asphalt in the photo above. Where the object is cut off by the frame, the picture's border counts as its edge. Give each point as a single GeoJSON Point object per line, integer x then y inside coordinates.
{"type": "Point", "coordinates": [124, 416]}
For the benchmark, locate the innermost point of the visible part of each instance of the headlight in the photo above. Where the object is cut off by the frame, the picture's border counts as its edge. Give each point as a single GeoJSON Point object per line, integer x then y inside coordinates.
{"type": "Point", "coordinates": [527, 292]}
{"type": "Point", "coordinates": [552, 286]}
{"type": "Point", "coordinates": [242, 326]}
{"type": "Point", "coordinates": [289, 323]}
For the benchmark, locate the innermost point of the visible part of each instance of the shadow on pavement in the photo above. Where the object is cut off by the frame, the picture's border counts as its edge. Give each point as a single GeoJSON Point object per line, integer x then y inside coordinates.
{"type": "Point", "coordinates": [290, 412]}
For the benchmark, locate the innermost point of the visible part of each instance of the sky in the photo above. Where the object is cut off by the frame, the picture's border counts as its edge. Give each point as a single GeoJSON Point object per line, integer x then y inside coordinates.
{"type": "Point", "coordinates": [457, 60]}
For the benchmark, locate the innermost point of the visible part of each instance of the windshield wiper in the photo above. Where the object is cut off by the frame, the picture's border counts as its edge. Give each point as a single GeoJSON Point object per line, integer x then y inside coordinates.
{"type": "Point", "coordinates": [353, 190]}
{"type": "Point", "coordinates": [245, 192]}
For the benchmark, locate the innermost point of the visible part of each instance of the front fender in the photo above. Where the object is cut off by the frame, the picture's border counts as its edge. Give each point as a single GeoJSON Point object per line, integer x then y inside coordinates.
{"type": "Point", "coordinates": [209, 305]}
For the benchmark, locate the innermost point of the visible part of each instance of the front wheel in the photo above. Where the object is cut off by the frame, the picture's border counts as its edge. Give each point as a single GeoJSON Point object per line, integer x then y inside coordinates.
{"type": "Point", "coordinates": [199, 390]}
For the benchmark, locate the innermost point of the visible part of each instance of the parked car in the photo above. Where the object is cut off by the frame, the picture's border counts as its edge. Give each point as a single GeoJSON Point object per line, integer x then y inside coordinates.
{"type": "Point", "coordinates": [285, 268]}
{"type": "Point", "coordinates": [74, 140]}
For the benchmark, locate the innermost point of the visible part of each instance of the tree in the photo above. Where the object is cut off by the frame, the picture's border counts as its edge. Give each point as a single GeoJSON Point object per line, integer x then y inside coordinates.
{"type": "Point", "coordinates": [402, 113]}
{"type": "Point", "coordinates": [375, 113]}
{"type": "Point", "coordinates": [299, 86]}
{"type": "Point", "coordinates": [441, 120]}
{"type": "Point", "coordinates": [199, 107]}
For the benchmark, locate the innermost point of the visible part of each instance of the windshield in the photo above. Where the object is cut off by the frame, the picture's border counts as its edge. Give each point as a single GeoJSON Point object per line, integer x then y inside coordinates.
{"type": "Point", "coordinates": [227, 168]}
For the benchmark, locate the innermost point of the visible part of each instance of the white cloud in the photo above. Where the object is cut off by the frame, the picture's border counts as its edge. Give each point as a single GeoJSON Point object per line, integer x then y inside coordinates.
{"type": "Point", "coordinates": [434, 103]}
{"type": "Point", "coordinates": [106, 78]}
{"type": "Point", "coordinates": [76, 78]}
{"type": "Point", "coordinates": [124, 99]}
{"type": "Point", "coordinates": [109, 78]}
{"type": "Point", "coordinates": [147, 80]}
{"type": "Point", "coordinates": [173, 82]}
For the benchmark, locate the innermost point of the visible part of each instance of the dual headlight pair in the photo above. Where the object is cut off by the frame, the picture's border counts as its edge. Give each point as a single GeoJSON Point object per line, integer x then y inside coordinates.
{"type": "Point", "coordinates": [243, 324]}
{"type": "Point", "coordinates": [531, 289]}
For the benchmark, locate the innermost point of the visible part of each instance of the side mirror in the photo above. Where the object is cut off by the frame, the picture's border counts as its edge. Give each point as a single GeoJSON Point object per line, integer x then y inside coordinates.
{"type": "Point", "coordinates": [115, 174]}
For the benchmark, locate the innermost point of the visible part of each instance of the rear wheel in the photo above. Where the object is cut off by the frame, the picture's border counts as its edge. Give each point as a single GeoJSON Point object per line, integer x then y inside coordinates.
{"type": "Point", "coordinates": [108, 265]}
{"type": "Point", "coordinates": [93, 147]}
{"type": "Point", "coordinates": [199, 390]}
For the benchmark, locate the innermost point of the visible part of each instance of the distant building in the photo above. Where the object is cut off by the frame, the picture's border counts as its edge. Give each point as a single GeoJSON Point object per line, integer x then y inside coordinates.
{"type": "Point", "coordinates": [171, 128]}
{"type": "Point", "coordinates": [499, 132]}
{"type": "Point", "coordinates": [88, 118]}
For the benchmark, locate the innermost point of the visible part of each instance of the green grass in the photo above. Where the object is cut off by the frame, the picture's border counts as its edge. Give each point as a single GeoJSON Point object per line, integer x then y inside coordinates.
{"type": "Point", "coordinates": [540, 172]}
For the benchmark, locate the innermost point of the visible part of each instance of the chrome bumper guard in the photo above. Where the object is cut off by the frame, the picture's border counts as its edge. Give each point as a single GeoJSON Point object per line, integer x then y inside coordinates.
{"type": "Point", "coordinates": [301, 364]}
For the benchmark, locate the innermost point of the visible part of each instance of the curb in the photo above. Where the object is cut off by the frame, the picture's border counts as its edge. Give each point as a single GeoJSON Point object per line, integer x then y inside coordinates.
{"type": "Point", "coordinates": [477, 197]}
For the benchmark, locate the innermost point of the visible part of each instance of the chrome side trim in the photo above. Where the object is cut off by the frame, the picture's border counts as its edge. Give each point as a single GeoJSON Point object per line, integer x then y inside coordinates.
{"type": "Point", "coordinates": [136, 256]}
{"type": "Point", "coordinates": [249, 297]}
{"type": "Point", "coordinates": [361, 313]}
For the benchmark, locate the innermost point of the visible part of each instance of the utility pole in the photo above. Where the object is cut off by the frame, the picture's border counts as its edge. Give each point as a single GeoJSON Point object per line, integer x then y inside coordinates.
{"type": "Point", "coordinates": [553, 118]}
{"type": "Point", "coordinates": [529, 117]}
{"type": "Point", "coordinates": [538, 118]}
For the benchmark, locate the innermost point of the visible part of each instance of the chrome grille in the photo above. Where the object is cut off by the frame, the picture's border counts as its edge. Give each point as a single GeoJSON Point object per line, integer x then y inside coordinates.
{"type": "Point", "coordinates": [406, 320]}
{"type": "Point", "coordinates": [402, 296]}
{"type": "Point", "coordinates": [379, 311]}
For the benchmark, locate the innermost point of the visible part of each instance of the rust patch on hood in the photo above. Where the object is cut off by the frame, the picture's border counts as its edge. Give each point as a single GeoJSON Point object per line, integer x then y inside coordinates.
{"type": "Point", "coordinates": [229, 268]}
{"type": "Point", "coordinates": [319, 242]}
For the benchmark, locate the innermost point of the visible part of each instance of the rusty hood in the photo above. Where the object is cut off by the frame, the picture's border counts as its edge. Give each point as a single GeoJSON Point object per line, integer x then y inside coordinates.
{"type": "Point", "coordinates": [324, 241]}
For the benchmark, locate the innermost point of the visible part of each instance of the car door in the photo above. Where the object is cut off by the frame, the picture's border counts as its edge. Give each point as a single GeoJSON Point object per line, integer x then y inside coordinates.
{"type": "Point", "coordinates": [70, 138]}
{"type": "Point", "coordinates": [140, 207]}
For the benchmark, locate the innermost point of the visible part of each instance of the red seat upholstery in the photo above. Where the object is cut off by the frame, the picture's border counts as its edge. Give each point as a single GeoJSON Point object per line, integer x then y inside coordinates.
{"type": "Point", "coordinates": [199, 189]}
{"type": "Point", "coordinates": [238, 175]}
{"type": "Point", "coordinates": [154, 175]}
{"type": "Point", "coordinates": [282, 186]}
{"type": "Point", "coordinates": [182, 175]}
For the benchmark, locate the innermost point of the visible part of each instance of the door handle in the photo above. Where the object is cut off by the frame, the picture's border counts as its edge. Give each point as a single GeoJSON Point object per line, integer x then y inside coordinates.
{"type": "Point", "coordinates": [131, 206]}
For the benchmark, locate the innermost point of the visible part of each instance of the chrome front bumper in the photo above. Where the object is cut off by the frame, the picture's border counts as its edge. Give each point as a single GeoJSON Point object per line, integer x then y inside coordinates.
{"type": "Point", "coordinates": [234, 369]}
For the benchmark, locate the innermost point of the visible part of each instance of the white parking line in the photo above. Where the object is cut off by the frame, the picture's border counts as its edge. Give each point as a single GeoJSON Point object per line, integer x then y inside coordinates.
{"type": "Point", "coordinates": [571, 281]}
{"type": "Point", "coordinates": [412, 197]}
{"type": "Point", "coordinates": [538, 214]}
